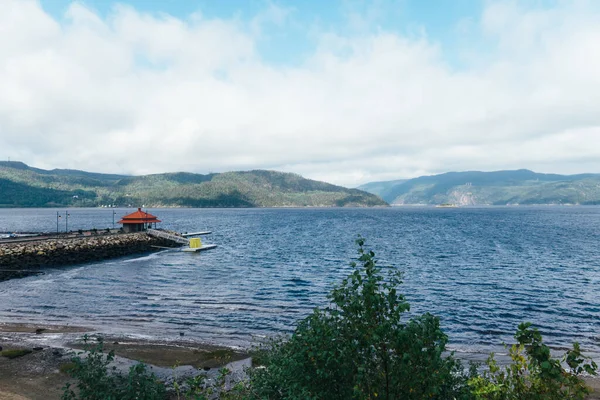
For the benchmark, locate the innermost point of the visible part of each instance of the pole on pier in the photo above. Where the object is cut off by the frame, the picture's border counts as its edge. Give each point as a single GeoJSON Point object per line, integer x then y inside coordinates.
{"type": "Point", "coordinates": [57, 217]}
{"type": "Point", "coordinates": [67, 221]}
{"type": "Point", "coordinates": [114, 212]}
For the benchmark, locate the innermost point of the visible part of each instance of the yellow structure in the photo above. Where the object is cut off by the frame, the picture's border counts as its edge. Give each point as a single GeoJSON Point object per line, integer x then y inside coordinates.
{"type": "Point", "coordinates": [195, 243]}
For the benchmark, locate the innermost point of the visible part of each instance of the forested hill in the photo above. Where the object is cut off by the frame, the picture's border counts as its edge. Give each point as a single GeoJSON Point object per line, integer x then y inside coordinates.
{"type": "Point", "coordinates": [24, 186]}
{"type": "Point", "coordinates": [490, 188]}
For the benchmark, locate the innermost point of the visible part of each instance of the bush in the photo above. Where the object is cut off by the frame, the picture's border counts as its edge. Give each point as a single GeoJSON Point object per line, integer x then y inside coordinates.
{"type": "Point", "coordinates": [360, 348]}
{"type": "Point", "coordinates": [97, 381]}
{"type": "Point", "coordinates": [222, 388]}
{"type": "Point", "coordinates": [533, 373]}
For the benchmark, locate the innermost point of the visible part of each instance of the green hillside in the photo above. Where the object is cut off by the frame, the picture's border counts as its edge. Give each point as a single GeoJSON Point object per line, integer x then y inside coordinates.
{"type": "Point", "coordinates": [24, 186]}
{"type": "Point", "coordinates": [380, 188]}
{"type": "Point", "coordinates": [491, 188]}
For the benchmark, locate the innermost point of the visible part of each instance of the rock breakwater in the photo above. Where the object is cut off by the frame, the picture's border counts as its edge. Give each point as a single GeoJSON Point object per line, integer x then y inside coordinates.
{"type": "Point", "coordinates": [26, 258]}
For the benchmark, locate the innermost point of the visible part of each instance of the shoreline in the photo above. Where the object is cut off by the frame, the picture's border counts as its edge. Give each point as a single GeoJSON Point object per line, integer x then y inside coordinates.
{"type": "Point", "coordinates": [20, 258]}
{"type": "Point", "coordinates": [38, 374]}
{"type": "Point", "coordinates": [70, 336]}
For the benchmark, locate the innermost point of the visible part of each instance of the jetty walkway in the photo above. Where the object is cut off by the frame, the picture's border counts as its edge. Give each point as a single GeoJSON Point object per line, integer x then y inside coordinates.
{"type": "Point", "coordinates": [168, 236]}
{"type": "Point", "coordinates": [21, 257]}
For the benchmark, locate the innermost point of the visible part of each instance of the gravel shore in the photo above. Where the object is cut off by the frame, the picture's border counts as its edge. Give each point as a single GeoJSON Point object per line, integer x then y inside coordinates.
{"type": "Point", "coordinates": [37, 375]}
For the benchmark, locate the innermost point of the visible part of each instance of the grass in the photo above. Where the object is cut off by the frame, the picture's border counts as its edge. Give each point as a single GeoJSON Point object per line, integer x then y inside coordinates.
{"type": "Point", "coordinates": [65, 368]}
{"type": "Point", "coordinates": [15, 353]}
{"type": "Point", "coordinates": [167, 356]}
{"type": "Point", "coordinates": [220, 354]}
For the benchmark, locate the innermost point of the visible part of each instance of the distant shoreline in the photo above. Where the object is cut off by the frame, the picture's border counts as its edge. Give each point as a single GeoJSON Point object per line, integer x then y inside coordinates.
{"type": "Point", "coordinates": [4, 207]}
{"type": "Point", "coordinates": [62, 208]}
{"type": "Point", "coordinates": [495, 205]}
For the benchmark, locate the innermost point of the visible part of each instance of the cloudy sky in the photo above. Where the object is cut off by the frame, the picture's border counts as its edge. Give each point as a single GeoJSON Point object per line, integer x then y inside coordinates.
{"type": "Point", "coordinates": [343, 91]}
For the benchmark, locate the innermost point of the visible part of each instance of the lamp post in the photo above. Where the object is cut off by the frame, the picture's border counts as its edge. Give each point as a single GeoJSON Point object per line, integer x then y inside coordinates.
{"type": "Point", "coordinates": [67, 221]}
{"type": "Point", "coordinates": [57, 218]}
{"type": "Point", "coordinates": [114, 212]}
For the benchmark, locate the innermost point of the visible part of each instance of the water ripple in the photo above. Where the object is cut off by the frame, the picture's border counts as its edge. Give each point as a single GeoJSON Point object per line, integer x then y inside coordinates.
{"type": "Point", "coordinates": [482, 270]}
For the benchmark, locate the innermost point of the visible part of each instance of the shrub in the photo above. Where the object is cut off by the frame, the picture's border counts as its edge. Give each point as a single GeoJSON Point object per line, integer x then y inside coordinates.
{"type": "Point", "coordinates": [360, 348]}
{"type": "Point", "coordinates": [96, 380]}
{"type": "Point", "coordinates": [222, 388]}
{"type": "Point", "coordinates": [533, 374]}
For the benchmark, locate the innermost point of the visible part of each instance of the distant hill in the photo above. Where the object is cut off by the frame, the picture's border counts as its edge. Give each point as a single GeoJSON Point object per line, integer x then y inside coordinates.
{"type": "Point", "coordinates": [490, 188]}
{"type": "Point", "coordinates": [25, 186]}
{"type": "Point", "coordinates": [380, 188]}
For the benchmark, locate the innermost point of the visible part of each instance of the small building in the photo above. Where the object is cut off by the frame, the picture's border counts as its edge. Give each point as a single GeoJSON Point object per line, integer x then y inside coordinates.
{"type": "Point", "coordinates": [138, 221]}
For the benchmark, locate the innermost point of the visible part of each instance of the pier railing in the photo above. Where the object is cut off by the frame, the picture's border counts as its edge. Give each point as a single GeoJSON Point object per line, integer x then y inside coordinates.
{"type": "Point", "coordinates": [168, 236]}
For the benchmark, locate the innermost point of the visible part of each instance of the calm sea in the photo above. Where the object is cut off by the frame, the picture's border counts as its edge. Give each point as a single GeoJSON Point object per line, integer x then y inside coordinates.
{"type": "Point", "coordinates": [482, 270]}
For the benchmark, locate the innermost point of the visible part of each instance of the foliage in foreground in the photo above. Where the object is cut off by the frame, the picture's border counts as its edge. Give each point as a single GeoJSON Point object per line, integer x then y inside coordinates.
{"type": "Point", "coordinates": [533, 374]}
{"type": "Point", "coordinates": [96, 380]}
{"type": "Point", "coordinates": [360, 347]}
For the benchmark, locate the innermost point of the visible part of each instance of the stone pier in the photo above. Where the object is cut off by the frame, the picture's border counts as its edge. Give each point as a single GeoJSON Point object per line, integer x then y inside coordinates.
{"type": "Point", "coordinates": [26, 258]}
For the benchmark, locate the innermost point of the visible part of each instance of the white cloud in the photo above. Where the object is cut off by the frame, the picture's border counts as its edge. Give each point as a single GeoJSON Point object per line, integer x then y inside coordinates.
{"type": "Point", "coordinates": [142, 93]}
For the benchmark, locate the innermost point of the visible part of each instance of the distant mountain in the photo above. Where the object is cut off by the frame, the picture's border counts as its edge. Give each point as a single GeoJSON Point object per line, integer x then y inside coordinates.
{"type": "Point", "coordinates": [25, 186]}
{"type": "Point", "coordinates": [61, 172]}
{"type": "Point", "coordinates": [490, 188]}
{"type": "Point", "coordinates": [380, 188]}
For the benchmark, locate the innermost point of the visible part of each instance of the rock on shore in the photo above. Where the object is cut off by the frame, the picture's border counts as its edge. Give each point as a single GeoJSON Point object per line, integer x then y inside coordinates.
{"type": "Point", "coordinates": [26, 258]}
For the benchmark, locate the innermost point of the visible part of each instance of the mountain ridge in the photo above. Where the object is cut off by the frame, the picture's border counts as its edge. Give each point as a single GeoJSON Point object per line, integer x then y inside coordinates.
{"type": "Point", "coordinates": [25, 186]}
{"type": "Point", "coordinates": [505, 187]}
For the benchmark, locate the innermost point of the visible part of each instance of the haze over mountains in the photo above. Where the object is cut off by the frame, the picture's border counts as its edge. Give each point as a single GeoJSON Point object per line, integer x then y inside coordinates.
{"type": "Point", "coordinates": [24, 186]}
{"type": "Point", "coordinates": [520, 187]}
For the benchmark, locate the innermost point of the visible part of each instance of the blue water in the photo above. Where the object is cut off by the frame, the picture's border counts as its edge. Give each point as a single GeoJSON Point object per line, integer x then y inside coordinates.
{"type": "Point", "coordinates": [482, 270]}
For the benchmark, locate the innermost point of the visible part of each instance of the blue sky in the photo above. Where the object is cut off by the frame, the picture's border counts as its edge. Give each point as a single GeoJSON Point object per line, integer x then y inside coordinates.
{"type": "Point", "coordinates": [439, 17]}
{"type": "Point", "coordinates": [288, 43]}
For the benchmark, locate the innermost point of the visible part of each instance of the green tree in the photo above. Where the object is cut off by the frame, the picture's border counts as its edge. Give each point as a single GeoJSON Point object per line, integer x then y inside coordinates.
{"type": "Point", "coordinates": [361, 348]}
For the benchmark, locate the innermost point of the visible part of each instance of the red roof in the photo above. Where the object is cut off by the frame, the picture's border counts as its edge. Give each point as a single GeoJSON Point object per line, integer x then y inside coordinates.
{"type": "Point", "coordinates": [139, 217]}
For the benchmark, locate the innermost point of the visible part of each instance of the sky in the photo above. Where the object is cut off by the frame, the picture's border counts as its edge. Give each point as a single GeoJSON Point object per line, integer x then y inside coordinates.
{"type": "Point", "coordinates": [342, 91]}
